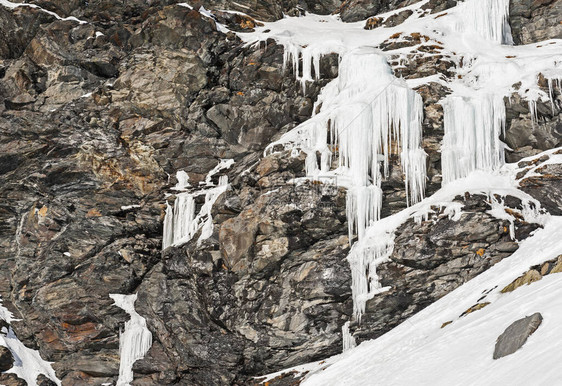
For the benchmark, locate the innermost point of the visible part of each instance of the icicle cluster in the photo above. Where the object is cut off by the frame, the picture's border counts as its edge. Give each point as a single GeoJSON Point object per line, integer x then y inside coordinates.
{"type": "Point", "coordinates": [305, 62]}
{"type": "Point", "coordinates": [472, 135]}
{"type": "Point", "coordinates": [363, 260]}
{"type": "Point", "coordinates": [181, 222]}
{"type": "Point", "coordinates": [134, 341]}
{"type": "Point", "coordinates": [366, 116]}
{"type": "Point", "coordinates": [488, 18]}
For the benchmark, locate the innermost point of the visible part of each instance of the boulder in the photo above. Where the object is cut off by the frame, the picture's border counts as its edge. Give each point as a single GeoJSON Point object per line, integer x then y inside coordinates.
{"type": "Point", "coordinates": [6, 359]}
{"type": "Point", "coordinates": [515, 336]}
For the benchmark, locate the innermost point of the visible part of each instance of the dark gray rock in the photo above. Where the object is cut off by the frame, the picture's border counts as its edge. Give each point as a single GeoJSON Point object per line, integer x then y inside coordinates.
{"type": "Point", "coordinates": [535, 21]}
{"type": "Point", "coordinates": [44, 381]}
{"type": "Point", "coordinates": [432, 258]}
{"type": "Point", "coordinates": [6, 359]}
{"type": "Point", "coordinates": [546, 187]}
{"type": "Point", "coordinates": [515, 336]}
{"type": "Point", "coordinates": [11, 380]}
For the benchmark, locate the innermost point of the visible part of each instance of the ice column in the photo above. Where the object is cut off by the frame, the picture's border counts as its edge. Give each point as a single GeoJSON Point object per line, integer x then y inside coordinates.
{"type": "Point", "coordinates": [134, 341]}
{"type": "Point", "coordinates": [367, 116]}
{"type": "Point", "coordinates": [181, 221]}
{"type": "Point", "coordinates": [348, 339]}
{"type": "Point", "coordinates": [488, 18]}
{"type": "Point", "coordinates": [473, 126]}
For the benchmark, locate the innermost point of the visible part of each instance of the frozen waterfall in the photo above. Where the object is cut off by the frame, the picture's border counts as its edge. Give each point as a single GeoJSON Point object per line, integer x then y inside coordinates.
{"type": "Point", "coordinates": [134, 341]}
{"type": "Point", "coordinates": [182, 221]}
{"type": "Point", "coordinates": [472, 135]}
{"type": "Point", "coordinates": [367, 117]}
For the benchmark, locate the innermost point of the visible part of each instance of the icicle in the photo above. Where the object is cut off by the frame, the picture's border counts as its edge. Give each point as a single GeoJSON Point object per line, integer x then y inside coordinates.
{"type": "Point", "coordinates": [183, 180]}
{"type": "Point", "coordinates": [363, 260]}
{"type": "Point", "coordinates": [182, 222]}
{"type": "Point", "coordinates": [134, 341]}
{"type": "Point", "coordinates": [472, 135]}
{"type": "Point", "coordinates": [348, 339]}
{"type": "Point", "coordinates": [368, 116]}
{"type": "Point", "coordinates": [533, 112]}
{"type": "Point", "coordinates": [488, 18]}
{"type": "Point", "coordinates": [168, 237]}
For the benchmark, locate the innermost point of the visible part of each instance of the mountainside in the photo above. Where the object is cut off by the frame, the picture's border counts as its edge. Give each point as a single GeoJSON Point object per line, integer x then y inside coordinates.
{"type": "Point", "coordinates": [205, 193]}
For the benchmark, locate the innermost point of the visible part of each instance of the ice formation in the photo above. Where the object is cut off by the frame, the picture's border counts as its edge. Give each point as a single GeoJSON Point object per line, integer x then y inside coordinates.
{"type": "Point", "coordinates": [487, 18]}
{"type": "Point", "coordinates": [28, 364]}
{"type": "Point", "coordinates": [473, 126]}
{"type": "Point", "coordinates": [182, 221]}
{"type": "Point", "coordinates": [348, 339]}
{"type": "Point", "coordinates": [367, 116]}
{"type": "Point", "coordinates": [134, 341]}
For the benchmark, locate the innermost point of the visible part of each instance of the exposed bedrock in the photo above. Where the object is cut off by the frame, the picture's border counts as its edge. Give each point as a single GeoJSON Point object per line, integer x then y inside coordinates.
{"type": "Point", "coordinates": [96, 119]}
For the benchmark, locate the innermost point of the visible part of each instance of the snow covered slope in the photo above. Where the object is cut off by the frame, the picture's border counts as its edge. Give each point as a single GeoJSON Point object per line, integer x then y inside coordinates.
{"type": "Point", "coordinates": [421, 352]}
{"type": "Point", "coordinates": [440, 346]}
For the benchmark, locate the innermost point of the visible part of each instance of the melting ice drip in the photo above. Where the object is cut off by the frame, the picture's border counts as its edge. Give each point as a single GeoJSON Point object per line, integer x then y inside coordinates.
{"type": "Point", "coordinates": [134, 341]}
{"type": "Point", "coordinates": [348, 339]}
{"type": "Point", "coordinates": [181, 222]}
{"type": "Point", "coordinates": [366, 116]}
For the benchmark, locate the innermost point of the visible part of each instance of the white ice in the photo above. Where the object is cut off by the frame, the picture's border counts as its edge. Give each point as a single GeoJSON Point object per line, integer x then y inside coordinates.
{"type": "Point", "coordinates": [183, 221]}
{"type": "Point", "coordinates": [28, 364]}
{"type": "Point", "coordinates": [134, 341]}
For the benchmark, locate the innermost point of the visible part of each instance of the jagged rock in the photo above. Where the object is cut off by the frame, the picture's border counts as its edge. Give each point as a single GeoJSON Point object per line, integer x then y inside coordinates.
{"type": "Point", "coordinates": [528, 278]}
{"type": "Point", "coordinates": [435, 6]}
{"type": "Point", "coordinates": [535, 21]}
{"type": "Point", "coordinates": [355, 10]}
{"type": "Point", "coordinates": [515, 336]}
{"type": "Point", "coordinates": [546, 187]}
{"type": "Point", "coordinates": [6, 359]}
{"type": "Point", "coordinates": [432, 258]}
{"type": "Point", "coordinates": [474, 308]}
{"type": "Point", "coordinates": [44, 381]}
{"type": "Point", "coordinates": [11, 380]}
{"type": "Point", "coordinates": [526, 137]}
{"type": "Point", "coordinates": [98, 117]}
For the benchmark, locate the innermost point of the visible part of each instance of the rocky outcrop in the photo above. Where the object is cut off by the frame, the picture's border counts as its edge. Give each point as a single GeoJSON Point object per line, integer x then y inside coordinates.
{"type": "Point", "coordinates": [93, 122]}
{"type": "Point", "coordinates": [435, 256]}
{"type": "Point", "coordinates": [544, 184]}
{"type": "Point", "coordinates": [97, 118]}
{"type": "Point", "coordinates": [535, 21]}
{"type": "Point", "coordinates": [515, 336]}
{"type": "Point", "coordinates": [6, 359]}
{"type": "Point", "coordinates": [11, 380]}
{"type": "Point", "coordinates": [272, 276]}
{"type": "Point", "coordinates": [528, 135]}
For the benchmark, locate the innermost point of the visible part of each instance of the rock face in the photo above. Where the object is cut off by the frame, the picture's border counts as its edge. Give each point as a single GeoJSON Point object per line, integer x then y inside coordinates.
{"type": "Point", "coordinates": [546, 186]}
{"type": "Point", "coordinates": [6, 359]}
{"type": "Point", "coordinates": [97, 118]}
{"type": "Point", "coordinates": [535, 21]}
{"type": "Point", "coordinates": [12, 380]}
{"type": "Point", "coordinates": [432, 258]}
{"type": "Point", "coordinates": [515, 336]}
